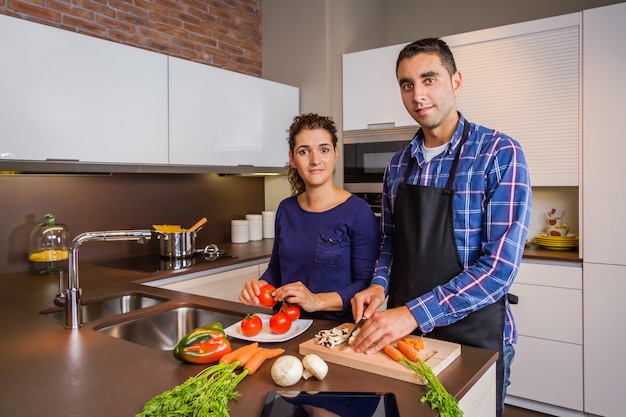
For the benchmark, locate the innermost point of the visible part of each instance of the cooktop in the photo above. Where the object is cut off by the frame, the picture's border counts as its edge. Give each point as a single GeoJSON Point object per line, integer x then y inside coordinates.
{"type": "Point", "coordinates": [158, 263]}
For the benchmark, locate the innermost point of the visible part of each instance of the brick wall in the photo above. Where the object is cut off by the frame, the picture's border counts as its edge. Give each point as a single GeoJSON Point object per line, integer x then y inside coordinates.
{"type": "Point", "coordinates": [220, 33]}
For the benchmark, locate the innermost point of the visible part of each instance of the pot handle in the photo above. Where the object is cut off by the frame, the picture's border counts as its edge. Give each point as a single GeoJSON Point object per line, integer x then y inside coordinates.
{"type": "Point", "coordinates": [159, 234]}
{"type": "Point", "coordinates": [196, 226]}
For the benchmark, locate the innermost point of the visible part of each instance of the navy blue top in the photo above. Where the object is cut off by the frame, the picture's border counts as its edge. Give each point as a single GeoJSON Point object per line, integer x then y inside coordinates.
{"type": "Point", "coordinates": [331, 251]}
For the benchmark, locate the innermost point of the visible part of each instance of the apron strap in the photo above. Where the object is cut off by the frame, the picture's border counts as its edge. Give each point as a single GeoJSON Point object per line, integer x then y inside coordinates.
{"type": "Point", "coordinates": [455, 163]}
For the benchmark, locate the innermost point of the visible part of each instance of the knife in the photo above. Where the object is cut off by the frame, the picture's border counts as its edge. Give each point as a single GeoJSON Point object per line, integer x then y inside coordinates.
{"type": "Point", "coordinates": [357, 327]}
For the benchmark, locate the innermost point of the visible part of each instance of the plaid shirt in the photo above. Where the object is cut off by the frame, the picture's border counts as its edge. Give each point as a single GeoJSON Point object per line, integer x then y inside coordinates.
{"type": "Point", "coordinates": [491, 212]}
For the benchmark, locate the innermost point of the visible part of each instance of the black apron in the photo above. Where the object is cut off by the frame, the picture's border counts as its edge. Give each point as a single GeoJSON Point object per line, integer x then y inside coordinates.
{"type": "Point", "coordinates": [425, 255]}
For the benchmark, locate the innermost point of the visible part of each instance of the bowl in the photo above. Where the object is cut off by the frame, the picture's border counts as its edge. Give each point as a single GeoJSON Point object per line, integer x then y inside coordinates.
{"type": "Point", "coordinates": [555, 214]}
{"type": "Point", "coordinates": [560, 230]}
{"type": "Point", "coordinates": [556, 221]}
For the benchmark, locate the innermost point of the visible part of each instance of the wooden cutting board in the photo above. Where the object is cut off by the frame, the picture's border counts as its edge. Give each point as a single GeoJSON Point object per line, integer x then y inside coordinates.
{"type": "Point", "coordinates": [381, 364]}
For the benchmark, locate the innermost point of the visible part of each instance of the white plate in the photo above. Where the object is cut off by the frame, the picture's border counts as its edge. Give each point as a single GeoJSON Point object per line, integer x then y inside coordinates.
{"type": "Point", "coordinates": [266, 335]}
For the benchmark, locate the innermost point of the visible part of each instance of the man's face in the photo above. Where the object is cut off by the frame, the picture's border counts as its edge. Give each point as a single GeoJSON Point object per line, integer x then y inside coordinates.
{"type": "Point", "coordinates": [428, 92]}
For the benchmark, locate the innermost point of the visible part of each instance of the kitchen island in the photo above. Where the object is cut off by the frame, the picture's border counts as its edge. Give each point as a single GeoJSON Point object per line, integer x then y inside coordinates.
{"type": "Point", "coordinates": [46, 370]}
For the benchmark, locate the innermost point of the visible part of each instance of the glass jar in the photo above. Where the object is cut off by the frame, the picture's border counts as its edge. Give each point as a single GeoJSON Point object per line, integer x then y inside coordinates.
{"type": "Point", "coordinates": [49, 244]}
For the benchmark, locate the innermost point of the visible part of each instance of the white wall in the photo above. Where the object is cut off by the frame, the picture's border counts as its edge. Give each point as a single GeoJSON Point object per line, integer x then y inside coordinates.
{"type": "Point", "coordinates": [409, 20]}
{"type": "Point", "coordinates": [303, 42]}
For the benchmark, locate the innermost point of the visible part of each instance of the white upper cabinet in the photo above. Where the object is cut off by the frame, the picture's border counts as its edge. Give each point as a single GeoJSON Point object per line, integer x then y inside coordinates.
{"type": "Point", "coordinates": [69, 96]}
{"type": "Point", "coordinates": [220, 117]}
{"type": "Point", "coordinates": [521, 79]}
{"type": "Point", "coordinates": [371, 95]}
{"type": "Point", "coordinates": [524, 80]}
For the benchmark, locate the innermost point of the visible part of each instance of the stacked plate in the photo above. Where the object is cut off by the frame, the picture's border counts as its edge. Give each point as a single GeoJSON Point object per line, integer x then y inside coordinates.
{"type": "Point", "coordinates": [557, 242]}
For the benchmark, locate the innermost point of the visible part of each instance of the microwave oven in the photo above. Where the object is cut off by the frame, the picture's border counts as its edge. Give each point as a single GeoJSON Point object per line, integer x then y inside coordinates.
{"type": "Point", "coordinates": [366, 154]}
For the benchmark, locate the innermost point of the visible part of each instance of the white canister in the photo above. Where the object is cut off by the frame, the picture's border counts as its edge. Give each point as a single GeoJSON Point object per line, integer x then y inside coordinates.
{"type": "Point", "coordinates": [255, 226]}
{"type": "Point", "coordinates": [268, 224]}
{"type": "Point", "coordinates": [239, 231]}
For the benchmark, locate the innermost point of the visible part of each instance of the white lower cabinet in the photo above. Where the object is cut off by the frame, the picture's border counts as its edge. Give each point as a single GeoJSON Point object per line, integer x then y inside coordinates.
{"type": "Point", "coordinates": [547, 371]}
{"type": "Point", "coordinates": [479, 400]}
{"type": "Point", "coordinates": [223, 285]}
{"type": "Point", "coordinates": [605, 339]}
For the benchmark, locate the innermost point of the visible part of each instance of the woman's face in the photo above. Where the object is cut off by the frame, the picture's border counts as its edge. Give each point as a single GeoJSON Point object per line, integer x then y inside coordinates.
{"type": "Point", "coordinates": [314, 156]}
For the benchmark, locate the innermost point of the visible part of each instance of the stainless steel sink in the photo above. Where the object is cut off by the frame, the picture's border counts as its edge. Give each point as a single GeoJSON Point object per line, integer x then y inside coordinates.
{"type": "Point", "coordinates": [164, 330]}
{"type": "Point", "coordinates": [111, 306]}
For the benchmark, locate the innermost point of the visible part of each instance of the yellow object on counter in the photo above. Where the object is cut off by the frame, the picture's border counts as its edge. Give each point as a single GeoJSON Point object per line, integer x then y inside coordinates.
{"type": "Point", "coordinates": [51, 255]}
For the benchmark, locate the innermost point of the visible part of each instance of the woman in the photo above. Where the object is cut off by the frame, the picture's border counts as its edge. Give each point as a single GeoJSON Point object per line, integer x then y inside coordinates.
{"type": "Point", "coordinates": [326, 239]}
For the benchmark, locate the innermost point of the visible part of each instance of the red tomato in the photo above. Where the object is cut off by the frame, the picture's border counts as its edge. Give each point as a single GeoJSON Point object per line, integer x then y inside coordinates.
{"type": "Point", "coordinates": [266, 298]}
{"type": "Point", "coordinates": [280, 323]}
{"type": "Point", "coordinates": [291, 310]}
{"type": "Point", "coordinates": [251, 325]}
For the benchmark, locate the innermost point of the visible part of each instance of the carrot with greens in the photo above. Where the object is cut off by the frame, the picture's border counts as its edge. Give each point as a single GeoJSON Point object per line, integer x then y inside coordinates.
{"type": "Point", "coordinates": [261, 356]}
{"type": "Point", "coordinates": [437, 396]}
{"type": "Point", "coordinates": [238, 353]}
{"type": "Point", "coordinates": [409, 351]}
{"type": "Point", "coordinates": [204, 395]}
{"type": "Point", "coordinates": [209, 392]}
{"type": "Point", "coordinates": [393, 353]}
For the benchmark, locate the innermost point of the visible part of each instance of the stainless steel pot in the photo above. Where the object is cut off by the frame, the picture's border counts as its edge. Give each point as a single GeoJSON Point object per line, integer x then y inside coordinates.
{"type": "Point", "coordinates": [177, 245]}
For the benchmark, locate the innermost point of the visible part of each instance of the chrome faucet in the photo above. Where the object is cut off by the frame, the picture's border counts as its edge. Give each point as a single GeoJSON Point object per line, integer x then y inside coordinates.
{"type": "Point", "coordinates": [70, 297]}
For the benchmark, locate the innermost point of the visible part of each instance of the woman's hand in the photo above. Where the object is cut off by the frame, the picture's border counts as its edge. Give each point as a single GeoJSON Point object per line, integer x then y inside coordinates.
{"type": "Point", "coordinates": [298, 293]}
{"type": "Point", "coordinates": [251, 290]}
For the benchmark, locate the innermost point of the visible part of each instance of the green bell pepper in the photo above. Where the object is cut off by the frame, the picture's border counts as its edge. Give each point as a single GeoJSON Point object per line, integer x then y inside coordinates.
{"type": "Point", "coordinates": [203, 345]}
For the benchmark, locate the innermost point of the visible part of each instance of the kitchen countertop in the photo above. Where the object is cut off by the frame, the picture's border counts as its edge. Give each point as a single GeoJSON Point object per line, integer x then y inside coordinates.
{"type": "Point", "coordinates": [48, 370]}
{"type": "Point", "coordinates": [533, 251]}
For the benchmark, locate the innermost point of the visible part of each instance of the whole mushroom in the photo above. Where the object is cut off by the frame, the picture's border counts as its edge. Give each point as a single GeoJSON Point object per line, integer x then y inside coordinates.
{"type": "Point", "coordinates": [287, 370]}
{"type": "Point", "coordinates": [314, 366]}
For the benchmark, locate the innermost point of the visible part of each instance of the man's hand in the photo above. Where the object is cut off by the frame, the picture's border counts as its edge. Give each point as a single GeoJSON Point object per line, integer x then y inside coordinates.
{"type": "Point", "coordinates": [383, 328]}
{"type": "Point", "coordinates": [366, 302]}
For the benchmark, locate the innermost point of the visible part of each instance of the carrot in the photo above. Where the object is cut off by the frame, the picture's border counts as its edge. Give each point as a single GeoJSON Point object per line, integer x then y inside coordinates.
{"type": "Point", "coordinates": [409, 351]}
{"type": "Point", "coordinates": [418, 344]}
{"type": "Point", "coordinates": [260, 356]}
{"type": "Point", "coordinates": [393, 353]}
{"type": "Point", "coordinates": [237, 353]}
{"type": "Point", "coordinates": [247, 355]}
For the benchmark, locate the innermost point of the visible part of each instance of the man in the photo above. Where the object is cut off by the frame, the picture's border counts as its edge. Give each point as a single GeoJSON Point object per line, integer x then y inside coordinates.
{"type": "Point", "coordinates": [456, 207]}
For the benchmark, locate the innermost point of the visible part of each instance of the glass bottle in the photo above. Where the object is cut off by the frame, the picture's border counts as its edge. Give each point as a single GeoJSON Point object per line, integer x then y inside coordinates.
{"type": "Point", "coordinates": [49, 244]}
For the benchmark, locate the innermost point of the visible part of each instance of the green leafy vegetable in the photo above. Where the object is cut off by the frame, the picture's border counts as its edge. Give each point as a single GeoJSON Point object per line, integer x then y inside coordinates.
{"type": "Point", "coordinates": [437, 396]}
{"type": "Point", "coordinates": [206, 394]}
